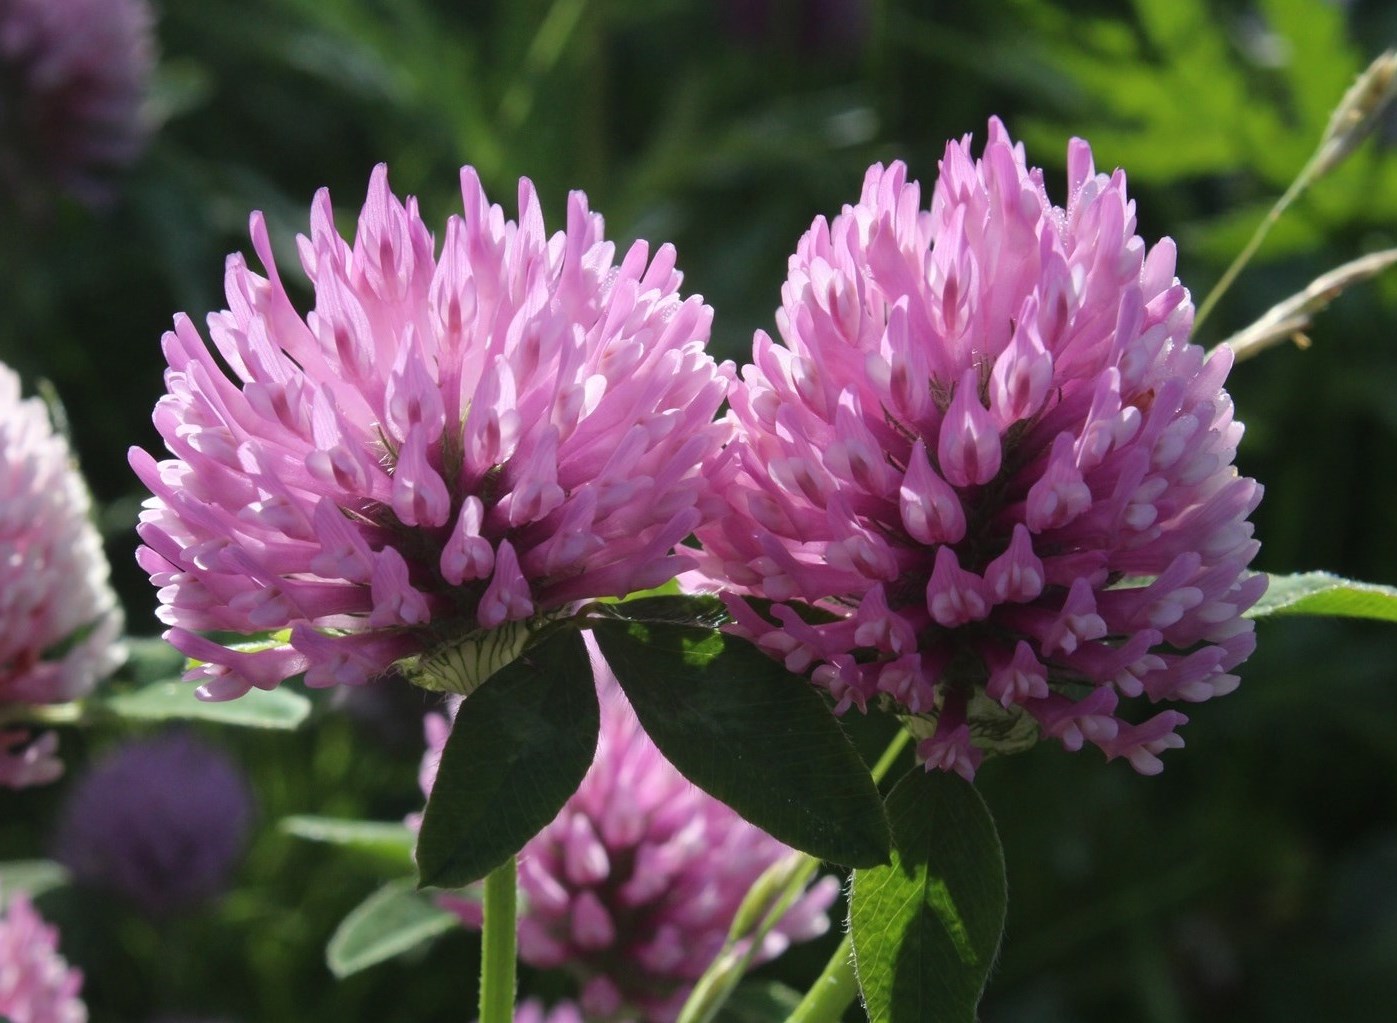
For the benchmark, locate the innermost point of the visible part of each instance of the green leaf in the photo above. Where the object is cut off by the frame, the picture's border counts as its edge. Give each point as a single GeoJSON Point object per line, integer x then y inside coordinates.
{"type": "Point", "coordinates": [258, 708]}
{"type": "Point", "coordinates": [519, 748]}
{"type": "Point", "coordinates": [1321, 593]}
{"type": "Point", "coordinates": [376, 836]}
{"type": "Point", "coordinates": [33, 877]}
{"type": "Point", "coordinates": [738, 725]}
{"type": "Point", "coordinates": [151, 659]}
{"type": "Point", "coordinates": [392, 920]}
{"type": "Point", "coordinates": [927, 926]}
{"type": "Point", "coordinates": [675, 609]}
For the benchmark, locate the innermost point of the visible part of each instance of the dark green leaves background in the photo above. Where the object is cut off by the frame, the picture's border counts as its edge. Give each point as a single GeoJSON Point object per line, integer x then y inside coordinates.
{"type": "Point", "coordinates": [1250, 881]}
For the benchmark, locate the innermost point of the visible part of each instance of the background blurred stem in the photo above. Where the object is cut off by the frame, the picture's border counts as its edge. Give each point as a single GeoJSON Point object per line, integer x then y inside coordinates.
{"type": "Point", "coordinates": [1301, 182]}
{"type": "Point", "coordinates": [833, 992]}
{"type": "Point", "coordinates": [545, 50]}
{"type": "Point", "coordinates": [1290, 318]}
{"type": "Point", "coordinates": [1352, 120]}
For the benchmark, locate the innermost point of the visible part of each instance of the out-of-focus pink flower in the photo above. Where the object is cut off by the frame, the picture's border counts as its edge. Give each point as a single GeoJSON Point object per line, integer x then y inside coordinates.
{"type": "Point", "coordinates": [36, 983]}
{"type": "Point", "coordinates": [632, 888]}
{"type": "Point", "coordinates": [447, 449]}
{"type": "Point", "coordinates": [73, 77]}
{"type": "Point", "coordinates": [59, 620]}
{"type": "Point", "coordinates": [986, 446]}
{"type": "Point", "coordinates": [531, 1010]}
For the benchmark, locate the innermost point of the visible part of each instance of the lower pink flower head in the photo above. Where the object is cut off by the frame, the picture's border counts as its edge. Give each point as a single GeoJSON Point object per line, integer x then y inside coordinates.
{"type": "Point", "coordinates": [36, 983]}
{"type": "Point", "coordinates": [453, 444]}
{"type": "Point", "coordinates": [60, 625]}
{"type": "Point", "coordinates": [634, 885]}
{"type": "Point", "coordinates": [986, 449]}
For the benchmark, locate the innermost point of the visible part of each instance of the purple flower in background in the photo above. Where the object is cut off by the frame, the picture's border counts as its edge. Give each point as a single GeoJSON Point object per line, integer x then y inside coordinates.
{"type": "Point", "coordinates": [829, 27]}
{"type": "Point", "coordinates": [987, 448]}
{"type": "Point", "coordinates": [73, 77]}
{"type": "Point", "coordinates": [59, 620]}
{"type": "Point", "coordinates": [632, 888]}
{"type": "Point", "coordinates": [448, 449]}
{"type": "Point", "coordinates": [162, 822]}
{"type": "Point", "coordinates": [36, 983]}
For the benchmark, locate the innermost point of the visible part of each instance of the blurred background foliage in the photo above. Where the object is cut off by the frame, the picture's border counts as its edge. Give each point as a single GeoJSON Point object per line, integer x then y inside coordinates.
{"type": "Point", "coordinates": [1256, 879]}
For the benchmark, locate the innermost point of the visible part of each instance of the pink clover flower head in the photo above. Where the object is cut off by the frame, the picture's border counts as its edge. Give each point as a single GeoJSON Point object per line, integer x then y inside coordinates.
{"type": "Point", "coordinates": [36, 983]}
{"type": "Point", "coordinates": [986, 449]}
{"type": "Point", "coordinates": [632, 888]}
{"type": "Point", "coordinates": [60, 625]}
{"type": "Point", "coordinates": [454, 444]}
{"type": "Point", "coordinates": [73, 79]}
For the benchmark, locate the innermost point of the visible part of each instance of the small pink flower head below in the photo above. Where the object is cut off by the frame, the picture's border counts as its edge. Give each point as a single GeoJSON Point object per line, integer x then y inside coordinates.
{"type": "Point", "coordinates": [632, 888]}
{"type": "Point", "coordinates": [449, 447]}
{"type": "Point", "coordinates": [36, 983]}
{"type": "Point", "coordinates": [985, 446]}
{"type": "Point", "coordinates": [60, 625]}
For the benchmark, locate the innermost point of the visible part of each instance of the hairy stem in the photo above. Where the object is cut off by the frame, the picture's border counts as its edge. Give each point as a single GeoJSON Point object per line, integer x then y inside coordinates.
{"type": "Point", "coordinates": [497, 958]}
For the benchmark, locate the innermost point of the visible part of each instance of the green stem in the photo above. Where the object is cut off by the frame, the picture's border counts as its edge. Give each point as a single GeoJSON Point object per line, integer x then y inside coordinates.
{"type": "Point", "coordinates": [834, 992]}
{"type": "Point", "coordinates": [1301, 182]}
{"type": "Point", "coordinates": [543, 54]}
{"type": "Point", "coordinates": [885, 762]}
{"type": "Point", "coordinates": [497, 960]}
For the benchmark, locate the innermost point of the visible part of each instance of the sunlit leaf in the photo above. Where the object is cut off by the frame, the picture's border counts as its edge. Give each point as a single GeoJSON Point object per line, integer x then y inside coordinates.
{"type": "Point", "coordinates": [1324, 594]}
{"type": "Point", "coordinates": [927, 926]}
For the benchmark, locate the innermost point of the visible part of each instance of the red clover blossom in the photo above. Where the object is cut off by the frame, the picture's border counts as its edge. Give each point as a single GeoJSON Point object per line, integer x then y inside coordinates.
{"type": "Point", "coordinates": [633, 886]}
{"type": "Point", "coordinates": [449, 448]}
{"type": "Point", "coordinates": [60, 625]}
{"type": "Point", "coordinates": [985, 449]}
